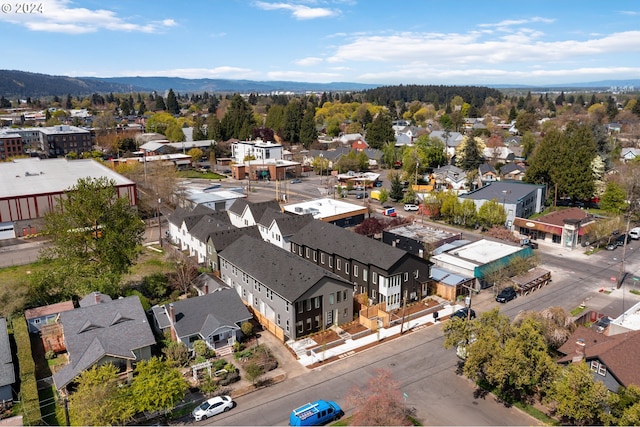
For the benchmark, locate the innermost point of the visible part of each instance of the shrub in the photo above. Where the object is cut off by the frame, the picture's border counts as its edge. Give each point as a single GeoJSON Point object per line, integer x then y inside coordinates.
{"type": "Point", "coordinates": [231, 377]}
{"type": "Point", "coordinates": [50, 355]}
{"type": "Point", "coordinates": [28, 386]}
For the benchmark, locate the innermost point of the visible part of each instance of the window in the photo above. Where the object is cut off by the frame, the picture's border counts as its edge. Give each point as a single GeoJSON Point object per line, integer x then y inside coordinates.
{"type": "Point", "coordinates": [355, 270]}
{"type": "Point", "coordinates": [322, 257]}
{"type": "Point", "coordinates": [315, 256]}
{"type": "Point", "coordinates": [346, 267]}
{"type": "Point", "coordinates": [374, 277]}
{"type": "Point", "coordinates": [300, 307]}
{"type": "Point", "coordinates": [308, 305]}
{"type": "Point", "coordinates": [331, 299]}
{"type": "Point", "coordinates": [278, 318]}
{"type": "Point", "coordinates": [293, 247]}
{"type": "Point", "coordinates": [287, 307]}
{"type": "Point", "coordinates": [416, 274]}
{"type": "Point", "coordinates": [309, 324]}
{"type": "Point", "coordinates": [306, 252]}
{"type": "Point", "coordinates": [330, 262]}
{"type": "Point", "coordinates": [316, 302]}
{"type": "Point", "coordinates": [287, 325]}
{"type": "Point", "coordinates": [598, 367]}
{"type": "Point", "coordinates": [345, 313]}
{"type": "Point", "coordinates": [300, 326]}
{"type": "Point", "coordinates": [338, 264]}
{"type": "Point", "coordinates": [338, 296]}
{"type": "Point", "coordinates": [318, 321]}
{"type": "Point", "coordinates": [344, 295]}
{"type": "Point", "coordinates": [406, 276]}
{"type": "Point", "coordinates": [329, 317]}
{"type": "Point", "coordinates": [300, 250]}
{"type": "Point", "coordinates": [374, 294]}
{"type": "Point", "coordinates": [365, 274]}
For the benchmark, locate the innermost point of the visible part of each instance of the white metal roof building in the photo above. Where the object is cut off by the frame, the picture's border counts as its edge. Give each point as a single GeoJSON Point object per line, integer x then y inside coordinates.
{"type": "Point", "coordinates": [337, 212]}
{"type": "Point", "coordinates": [31, 187]}
{"type": "Point", "coordinates": [476, 258]}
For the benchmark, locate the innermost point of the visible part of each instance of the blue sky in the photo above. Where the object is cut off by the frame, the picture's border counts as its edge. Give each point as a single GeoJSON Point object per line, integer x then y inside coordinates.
{"type": "Point", "coordinates": [365, 41]}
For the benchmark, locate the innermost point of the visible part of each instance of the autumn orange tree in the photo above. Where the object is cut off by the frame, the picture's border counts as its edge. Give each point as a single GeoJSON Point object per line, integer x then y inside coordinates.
{"type": "Point", "coordinates": [378, 403]}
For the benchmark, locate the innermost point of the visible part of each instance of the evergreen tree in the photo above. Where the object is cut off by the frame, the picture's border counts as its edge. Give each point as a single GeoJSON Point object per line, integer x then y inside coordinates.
{"type": "Point", "coordinates": [172, 103]}
{"type": "Point", "coordinates": [68, 105]}
{"type": "Point", "coordinates": [142, 108]}
{"type": "Point", "coordinates": [160, 106]}
{"type": "Point", "coordinates": [293, 114]}
{"type": "Point", "coordinates": [395, 193]}
{"type": "Point", "coordinates": [214, 128]}
{"type": "Point", "coordinates": [380, 131]}
{"type": "Point", "coordinates": [238, 122]}
{"type": "Point", "coordinates": [513, 114]}
{"type": "Point", "coordinates": [470, 153]}
{"type": "Point", "coordinates": [308, 132]}
{"type": "Point", "coordinates": [560, 99]}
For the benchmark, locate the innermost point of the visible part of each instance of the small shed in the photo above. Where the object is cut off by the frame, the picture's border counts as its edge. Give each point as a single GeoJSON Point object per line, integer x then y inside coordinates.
{"type": "Point", "coordinates": [45, 315]}
{"type": "Point", "coordinates": [449, 285]}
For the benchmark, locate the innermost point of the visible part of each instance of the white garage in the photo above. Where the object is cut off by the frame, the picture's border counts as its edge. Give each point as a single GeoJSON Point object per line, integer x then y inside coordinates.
{"type": "Point", "coordinates": [7, 230]}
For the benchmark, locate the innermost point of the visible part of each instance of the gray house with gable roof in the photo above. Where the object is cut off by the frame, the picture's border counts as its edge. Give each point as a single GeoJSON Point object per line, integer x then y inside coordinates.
{"type": "Point", "coordinates": [215, 318]}
{"type": "Point", "coordinates": [104, 331]}
{"type": "Point", "coordinates": [298, 297]}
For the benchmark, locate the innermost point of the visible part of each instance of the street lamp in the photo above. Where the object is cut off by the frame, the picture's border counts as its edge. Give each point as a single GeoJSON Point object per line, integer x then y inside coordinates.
{"type": "Point", "coordinates": [159, 222]}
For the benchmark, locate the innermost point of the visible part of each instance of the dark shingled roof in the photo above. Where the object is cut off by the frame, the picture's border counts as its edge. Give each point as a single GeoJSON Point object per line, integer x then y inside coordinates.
{"type": "Point", "coordinates": [209, 224]}
{"type": "Point", "coordinates": [288, 223]}
{"type": "Point", "coordinates": [257, 208]}
{"type": "Point", "coordinates": [618, 352]}
{"type": "Point", "coordinates": [207, 313]}
{"type": "Point", "coordinates": [283, 272]}
{"type": "Point", "coordinates": [113, 328]}
{"type": "Point", "coordinates": [332, 239]}
{"type": "Point", "coordinates": [191, 217]}
{"type": "Point", "coordinates": [223, 238]}
{"type": "Point", "coordinates": [7, 373]}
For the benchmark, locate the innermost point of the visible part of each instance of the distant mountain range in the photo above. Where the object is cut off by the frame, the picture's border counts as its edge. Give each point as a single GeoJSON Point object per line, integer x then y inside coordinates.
{"type": "Point", "coordinates": [22, 84]}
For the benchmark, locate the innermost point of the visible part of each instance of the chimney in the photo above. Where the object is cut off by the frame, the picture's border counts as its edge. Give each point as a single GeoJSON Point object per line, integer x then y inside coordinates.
{"type": "Point", "coordinates": [579, 350]}
{"type": "Point", "coordinates": [172, 319]}
{"type": "Point", "coordinates": [172, 313]}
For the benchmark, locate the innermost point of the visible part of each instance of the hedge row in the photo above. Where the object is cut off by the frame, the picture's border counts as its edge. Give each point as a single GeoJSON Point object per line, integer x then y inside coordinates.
{"type": "Point", "coordinates": [28, 386]}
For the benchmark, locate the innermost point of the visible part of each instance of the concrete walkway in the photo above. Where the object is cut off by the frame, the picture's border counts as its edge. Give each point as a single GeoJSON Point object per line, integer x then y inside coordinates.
{"type": "Point", "coordinates": [350, 347]}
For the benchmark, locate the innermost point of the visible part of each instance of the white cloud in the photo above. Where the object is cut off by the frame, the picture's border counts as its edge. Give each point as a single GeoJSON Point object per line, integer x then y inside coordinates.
{"type": "Point", "coordinates": [521, 46]}
{"type": "Point", "coordinates": [302, 76]}
{"type": "Point", "coordinates": [630, 12]}
{"type": "Point", "coordinates": [512, 22]}
{"type": "Point", "coordinates": [311, 60]}
{"type": "Point", "coordinates": [297, 10]}
{"type": "Point", "coordinates": [60, 16]}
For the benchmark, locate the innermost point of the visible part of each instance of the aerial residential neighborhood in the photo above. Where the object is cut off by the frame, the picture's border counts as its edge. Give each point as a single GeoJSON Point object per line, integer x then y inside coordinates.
{"type": "Point", "coordinates": [347, 220]}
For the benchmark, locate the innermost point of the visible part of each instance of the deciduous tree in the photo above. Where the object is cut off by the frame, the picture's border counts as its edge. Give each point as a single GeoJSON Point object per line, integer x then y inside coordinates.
{"type": "Point", "coordinates": [379, 403]}
{"type": "Point", "coordinates": [157, 385]}
{"type": "Point", "coordinates": [95, 237]}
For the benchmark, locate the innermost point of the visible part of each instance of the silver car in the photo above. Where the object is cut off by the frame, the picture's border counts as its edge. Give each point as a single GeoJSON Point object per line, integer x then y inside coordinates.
{"type": "Point", "coordinates": [214, 406]}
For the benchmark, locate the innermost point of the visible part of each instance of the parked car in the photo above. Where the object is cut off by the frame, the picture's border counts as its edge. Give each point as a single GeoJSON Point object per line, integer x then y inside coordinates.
{"type": "Point", "coordinates": [226, 171]}
{"type": "Point", "coordinates": [362, 196]}
{"type": "Point", "coordinates": [463, 313]}
{"type": "Point", "coordinates": [214, 406]}
{"type": "Point", "coordinates": [621, 238]}
{"type": "Point", "coordinates": [389, 212]}
{"type": "Point", "coordinates": [316, 413]}
{"type": "Point", "coordinates": [296, 181]}
{"type": "Point", "coordinates": [611, 246]}
{"type": "Point", "coordinates": [634, 233]}
{"type": "Point", "coordinates": [410, 207]}
{"type": "Point", "coordinates": [507, 294]}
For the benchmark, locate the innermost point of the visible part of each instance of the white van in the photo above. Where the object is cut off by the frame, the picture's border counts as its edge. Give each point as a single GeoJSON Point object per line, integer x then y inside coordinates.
{"type": "Point", "coordinates": [634, 233]}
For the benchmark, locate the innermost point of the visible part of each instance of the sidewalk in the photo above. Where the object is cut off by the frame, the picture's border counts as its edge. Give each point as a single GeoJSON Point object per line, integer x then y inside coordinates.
{"type": "Point", "coordinates": [351, 346]}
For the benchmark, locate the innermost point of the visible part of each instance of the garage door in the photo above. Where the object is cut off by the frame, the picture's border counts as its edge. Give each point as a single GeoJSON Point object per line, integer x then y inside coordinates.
{"type": "Point", "coordinates": [7, 230]}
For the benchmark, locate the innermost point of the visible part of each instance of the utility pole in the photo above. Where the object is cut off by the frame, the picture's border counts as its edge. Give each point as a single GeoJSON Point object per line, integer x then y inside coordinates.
{"type": "Point", "coordinates": [624, 252]}
{"type": "Point", "coordinates": [404, 308]}
{"type": "Point", "coordinates": [159, 222]}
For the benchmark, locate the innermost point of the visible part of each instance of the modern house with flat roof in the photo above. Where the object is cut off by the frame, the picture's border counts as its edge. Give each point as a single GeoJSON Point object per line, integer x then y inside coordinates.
{"type": "Point", "coordinates": [518, 198]}
{"type": "Point", "coordinates": [257, 150]}
{"type": "Point", "coordinates": [342, 214]}
{"type": "Point", "coordinates": [32, 187]}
